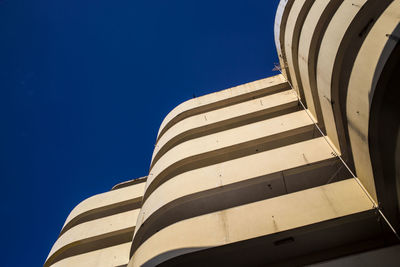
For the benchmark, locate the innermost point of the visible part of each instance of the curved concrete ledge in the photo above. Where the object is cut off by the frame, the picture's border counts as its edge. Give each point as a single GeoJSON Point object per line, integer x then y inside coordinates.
{"type": "Point", "coordinates": [340, 44]}
{"type": "Point", "coordinates": [226, 184]}
{"type": "Point", "coordinates": [225, 118]}
{"type": "Point", "coordinates": [101, 212]}
{"type": "Point", "coordinates": [111, 256]}
{"type": "Point", "coordinates": [327, 58]}
{"type": "Point", "coordinates": [361, 89]}
{"type": "Point", "coordinates": [281, 17]}
{"type": "Point", "coordinates": [221, 99]}
{"type": "Point", "coordinates": [297, 15]}
{"type": "Point", "coordinates": [301, 246]}
{"type": "Point", "coordinates": [313, 29]}
{"type": "Point", "coordinates": [105, 204]}
{"type": "Point", "coordinates": [277, 24]}
{"type": "Point", "coordinates": [92, 235]}
{"type": "Point", "coordinates": [129, 183]}
{"type": "Point", "coordinates": [246, 222]}
{"type": "Point", "coordinates": [228, 144]}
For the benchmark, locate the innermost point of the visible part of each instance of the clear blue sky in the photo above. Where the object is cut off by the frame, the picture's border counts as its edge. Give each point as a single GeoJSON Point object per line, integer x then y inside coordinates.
{"type": "Point", "coordinates": [85, 84]}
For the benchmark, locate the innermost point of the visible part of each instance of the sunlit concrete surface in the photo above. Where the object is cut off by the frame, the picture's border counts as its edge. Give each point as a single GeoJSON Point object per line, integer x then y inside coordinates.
{"type": "Point", "coordinates": [313, 29]}
{"type": "Point", "coordinates": [234, 115]}
{"type": "Point", "coordinates": [367, 67]}
{"type": "Point", "coordinates": [98, 227]}
{"type": "Point", "coordinates": [218, 99]}
{"type": "Point", "coordinates": [218, 144]}
{"type": "Point", "coordinates": [245, 222]}
{"type": "Point", "coordinates": [111, 256]}
{"type": "Point", "coordinates": [295, 20]}
{"type": "Point", "coordinates": [249, 177]}
{"type": "Point", "coordinates": [103, 203]}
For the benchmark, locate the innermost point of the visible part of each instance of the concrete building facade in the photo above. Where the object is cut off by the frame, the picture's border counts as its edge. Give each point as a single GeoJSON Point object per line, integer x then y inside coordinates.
{"type": "Point", "coordinates": [302, 168]}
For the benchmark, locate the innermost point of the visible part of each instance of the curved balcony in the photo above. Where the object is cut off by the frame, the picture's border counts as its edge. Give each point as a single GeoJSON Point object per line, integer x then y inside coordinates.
{"type": "Point", "coordinates": [105, 204]}
{"type": "Point", "coordinates": [313, 29]}
{"type": "Point", "coordinates": [339, 47]}
{"type": "Point", "coordinates": [117, 255]}
{"type": "Point", "coordinates": [215, 187]}
{"type": "Point", "coordinates": [297, 14]}
{"type": "Point", "coordinates": [220, 99]}
{"type": "Point", "coordinates": [93, 235]}
{"type": "Point", "coordinates": [281, 17]}
{"type": "Point", "coordinates": [246, 223]}
{"type": "Point", "coordinates": [229, 144]}
{"type": "Point", "coordinates": [367, 71]}
{"type": "Point", "coordinates": [225, 118]}
{"type": "Point", "coordinates": [318, 42]}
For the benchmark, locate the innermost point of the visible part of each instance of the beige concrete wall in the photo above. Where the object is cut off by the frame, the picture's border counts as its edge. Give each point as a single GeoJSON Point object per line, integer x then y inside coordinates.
{"type": "Point", "coordinates": [361, 90]}
{"type": "Point", "coordinates": [280, 150]}
{"type": "Point", "coordinates": [331, 29]}
{"type": "Point", "coordinates": [106, 199]}
{"type": "Point", "coordinates": [281, 19]}
{"type": "Point", "coordinates": [218, 99]}
{"type": "Point", "coordinates": [328, 53]}
{"type": "Point", "coordinates": [236, 138]}
{"type": "Point", "coordinates": [311, 34]}
{"type": "Point", "coordinates": [201, 169]}
{"type": "Point", "coordinates": [92, 232]}
{"type": "Point", "coordinates": [189, 171]}
{"type": "Point", "coordinates": [297, 15]}
{"type": "Point", "coordinates": [343, 54]}
{"type": "Point", "coordinates": [258, 165]}
{"type": "Point", "coordinates": [213, 121]}
{"type": "Point", "coordinates": [108, 257]}
{"type": "Point", "coordinates": [232, 171]}
{"type": "Point", "coordinates": [98, 230]}
{"type": "Point", "coordinates": [245, 222]}
{"type": "Point", "coordinates": [247, 162]}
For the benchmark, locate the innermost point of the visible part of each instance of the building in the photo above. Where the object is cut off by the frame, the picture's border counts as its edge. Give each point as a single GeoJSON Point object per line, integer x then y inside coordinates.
{"type": "Point", "coordinates": [300, 168]}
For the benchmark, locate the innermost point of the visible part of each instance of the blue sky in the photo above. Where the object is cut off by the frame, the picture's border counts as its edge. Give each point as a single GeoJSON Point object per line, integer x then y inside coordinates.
{"type": "Point", "coordinates": [85, 84]}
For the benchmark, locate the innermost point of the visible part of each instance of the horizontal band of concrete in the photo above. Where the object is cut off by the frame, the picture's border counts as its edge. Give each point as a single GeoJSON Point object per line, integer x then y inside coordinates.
{"type": "Point", "coordinates": [372, 57]}
{"type": "Point", "coordinates": [320, 60]}
{"type": "Point", "coordinates": [226, 118]}
{"type": "Point", "coordinates": [208, 188]}
{"type": "Point", "coordinates": [344, 37]}
{"type": "Point", "coordinates": [297, 14]}
{"type": "Point", "coordinates": [200, 197]}
{"type": "Point", "coordinates": [295, 247]}
{"type": "Point", "coordinates": [327, 59]}
{"type": "Point", "coordinates": [245, 222]}
{"type": "Point", "coordinates": [340, 45]}
{"type": "Point", "coordinates": [92, 235]}
{"type": "Point", "coordinates": [101, 202]}
{"type": "Point", "coordinates": [226, 145]}
{"type": "Point", "coordinates": [117, 255]}
{"type": "Point", "coordinates": [103, 211]}
{"type": "Point", "coordinates": [313, 29]}
{"type": "Point", "coordinates": [281, 19]}
{"type": "Point", "coordinates": [221, 99]}
{"type": "Point", "coordinates": [277, 24]}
